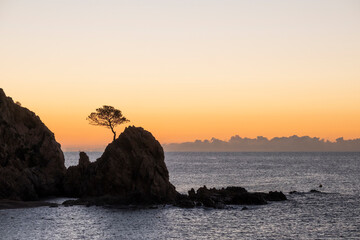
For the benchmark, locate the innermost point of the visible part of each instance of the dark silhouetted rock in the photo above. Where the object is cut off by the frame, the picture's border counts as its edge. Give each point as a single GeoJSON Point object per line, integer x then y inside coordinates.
{"type": "Point", "coordinates": [84, 160]}
{"type": "Point", "coordinates": [275, 196]}
{"type": "Point", "coordinates": [31, 161]}
{"type": "Point", "coordinates": [192, 193]}
{"type": "Point", "coordinates": [248, 199]}
{"type": "Point", "coordinates": [76, 181]}
{"type": "Point", "coordinates": [184, 201]}
{"type": "Point", "coordinates": [219, 198]}
{"type": "Point", "coordinates": [131, 170]}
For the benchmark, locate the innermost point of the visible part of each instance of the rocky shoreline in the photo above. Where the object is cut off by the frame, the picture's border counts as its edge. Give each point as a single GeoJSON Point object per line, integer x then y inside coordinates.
{"type": "Point", "coordinates": [131, 171]}
{"type": "Point", "coordinates": [203, 197]}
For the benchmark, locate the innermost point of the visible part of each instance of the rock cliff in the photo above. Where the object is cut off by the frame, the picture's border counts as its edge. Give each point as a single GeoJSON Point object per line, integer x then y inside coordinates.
{"type": "Point", "coordinates": [131, 170]}
{"type": "Point", "coordinates": [31, 161]}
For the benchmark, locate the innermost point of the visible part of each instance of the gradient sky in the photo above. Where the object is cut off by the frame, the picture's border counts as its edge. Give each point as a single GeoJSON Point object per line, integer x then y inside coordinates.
{"type": "Point", "coordinates": [185, 70]}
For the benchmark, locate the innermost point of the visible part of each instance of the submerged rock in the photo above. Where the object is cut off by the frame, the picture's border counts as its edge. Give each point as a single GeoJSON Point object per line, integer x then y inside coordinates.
{"type": "Point", "coordinates": [130, 171]}
{"type": "Point", "coordinates": [31, 161]}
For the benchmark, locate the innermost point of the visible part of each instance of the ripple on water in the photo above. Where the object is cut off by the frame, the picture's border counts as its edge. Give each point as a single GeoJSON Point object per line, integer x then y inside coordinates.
{"type": "Point", "coordinates": [334, 215]}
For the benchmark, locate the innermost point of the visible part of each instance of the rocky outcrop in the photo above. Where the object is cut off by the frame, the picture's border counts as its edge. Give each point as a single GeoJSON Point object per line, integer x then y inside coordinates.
{"type": "Point", "coordinates": [130, 171]}
{"type": "Point", "coordinates": [219, 198]}
{"type": "Point", "coordinates": [76, 181]}
{"type": "Point", "coordinates": [31, 161]}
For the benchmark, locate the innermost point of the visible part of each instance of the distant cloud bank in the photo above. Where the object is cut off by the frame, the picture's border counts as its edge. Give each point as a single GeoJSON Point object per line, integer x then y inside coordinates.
{"type": "Point", "coordinates": [262, 144]}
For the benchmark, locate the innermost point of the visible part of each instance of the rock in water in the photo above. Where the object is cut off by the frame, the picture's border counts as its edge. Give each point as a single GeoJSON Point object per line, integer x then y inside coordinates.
{"type": "Point", "coordinates": [131, 170]}
{"type": "Point", "coordinates": [31, 161]}
{"type": "Point", "coordinates": [219, 198]}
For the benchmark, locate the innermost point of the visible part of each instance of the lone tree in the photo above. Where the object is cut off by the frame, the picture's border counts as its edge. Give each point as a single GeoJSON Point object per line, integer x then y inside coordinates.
{"type": "Point", "coordinates": [107, 116]}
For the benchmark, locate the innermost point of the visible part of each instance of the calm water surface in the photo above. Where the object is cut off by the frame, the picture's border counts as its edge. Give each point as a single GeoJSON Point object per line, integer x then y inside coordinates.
{"type": "Point", "coordinates": [333, 214]}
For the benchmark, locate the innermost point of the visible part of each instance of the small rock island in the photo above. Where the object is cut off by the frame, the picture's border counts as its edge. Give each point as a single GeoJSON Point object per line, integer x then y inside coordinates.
{"type": "Point", "coordinates": [131, 171]}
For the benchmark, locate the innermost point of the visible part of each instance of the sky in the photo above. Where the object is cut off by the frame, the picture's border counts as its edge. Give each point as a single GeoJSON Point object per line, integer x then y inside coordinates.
{"type": "Point", "coordinates": [185, 70]}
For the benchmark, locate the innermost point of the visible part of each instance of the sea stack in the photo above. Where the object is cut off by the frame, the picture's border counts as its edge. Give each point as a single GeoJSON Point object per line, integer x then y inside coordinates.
{"type": "Point", "coordinates": [31, 161]}
{"type": "Point", "coordinates": [132, 170]}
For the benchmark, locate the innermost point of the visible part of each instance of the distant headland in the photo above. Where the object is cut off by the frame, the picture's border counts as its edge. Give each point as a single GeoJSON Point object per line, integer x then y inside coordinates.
{"type": "Point", "coordinates": [263, 144]}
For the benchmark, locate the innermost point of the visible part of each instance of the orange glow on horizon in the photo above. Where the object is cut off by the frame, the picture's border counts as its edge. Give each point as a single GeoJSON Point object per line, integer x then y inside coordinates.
{"type": "Point", "coordinates": [185, 70]}
{"type": "Point", "coordinates": [79, 134]}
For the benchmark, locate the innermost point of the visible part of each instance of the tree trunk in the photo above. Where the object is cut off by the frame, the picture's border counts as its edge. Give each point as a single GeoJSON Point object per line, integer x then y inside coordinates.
{"type": "Point", "coordinates": [113, 132]}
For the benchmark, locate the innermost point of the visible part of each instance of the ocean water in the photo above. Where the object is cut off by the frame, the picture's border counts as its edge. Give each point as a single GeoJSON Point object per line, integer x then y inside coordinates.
{"type": "Point", "coordinates": [332, 214]}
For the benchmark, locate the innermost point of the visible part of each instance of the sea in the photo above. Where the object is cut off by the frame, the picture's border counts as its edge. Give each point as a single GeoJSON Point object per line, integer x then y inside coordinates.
{"type": "Point", "coordinates": [331, 213]}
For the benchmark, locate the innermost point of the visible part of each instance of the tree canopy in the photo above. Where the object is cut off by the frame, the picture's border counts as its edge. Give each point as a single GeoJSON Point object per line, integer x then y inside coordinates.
{"type": "Point", "coordinates": [108, 117]}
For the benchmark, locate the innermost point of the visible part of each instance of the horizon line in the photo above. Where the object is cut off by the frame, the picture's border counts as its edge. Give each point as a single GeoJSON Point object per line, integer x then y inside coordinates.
{"type": "Point", "coordinates": [267, 138]}
{"type": "Point", "coordinates": [97, 148]}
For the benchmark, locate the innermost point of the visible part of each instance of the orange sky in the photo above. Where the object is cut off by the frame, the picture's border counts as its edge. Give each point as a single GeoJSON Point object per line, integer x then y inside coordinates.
{"type": "Point", "coordinates": [185, 70]}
